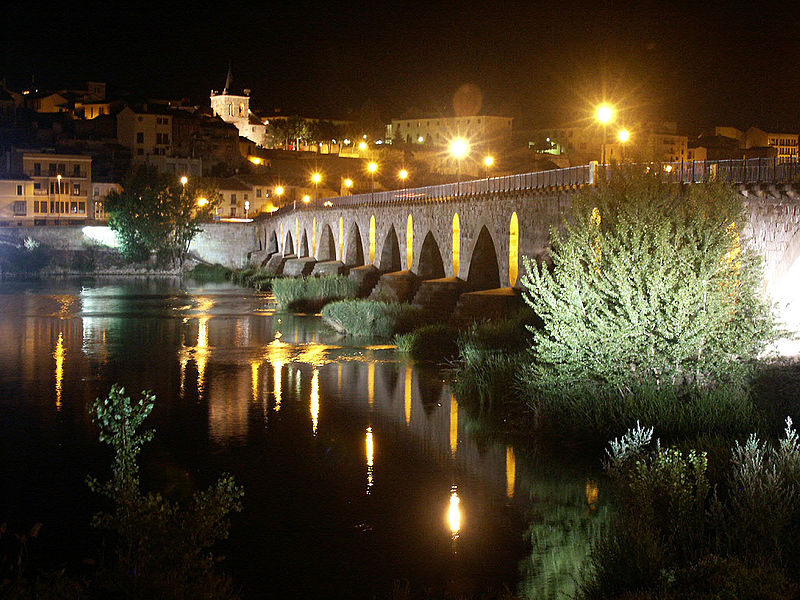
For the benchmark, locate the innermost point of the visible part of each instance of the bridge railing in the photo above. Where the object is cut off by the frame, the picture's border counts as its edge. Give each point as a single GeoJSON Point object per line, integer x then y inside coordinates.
{"type": "Point", "coordinates": [737, 171]}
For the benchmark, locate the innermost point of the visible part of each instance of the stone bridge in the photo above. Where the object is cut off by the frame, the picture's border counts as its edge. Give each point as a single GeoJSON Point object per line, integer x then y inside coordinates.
{"type": "Point", "coordinates": [478, 231]}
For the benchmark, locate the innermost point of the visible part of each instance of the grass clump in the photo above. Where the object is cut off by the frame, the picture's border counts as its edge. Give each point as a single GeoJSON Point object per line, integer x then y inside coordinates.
{"type": "Point", "coordinates": [433, 343]}
{"type": "Point", "coordinates": [310, 294]}
{"type": "Point", "coordinates": [372, 318]}
{"type": "Point", "coordinates": [208, 272]}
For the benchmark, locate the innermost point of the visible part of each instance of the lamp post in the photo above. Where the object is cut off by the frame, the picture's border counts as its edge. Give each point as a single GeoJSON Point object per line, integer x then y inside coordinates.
{"type": "Point", "coordinates": [623, 136]}
{"type": "Point", "coordinates": [372, 168]}
{"type": "Point", "coordinates": [316, 178]}
{"type": "Point", "coordinates": [348, 185]}
{"type": "Point", "coordinates": [403, 175]}
{"type": "Point", "coordinates": [58, 194]}
{"type": "Point", "coordinates": [459, 148]}
{"type": "Point", "coordinates": [604, 115]}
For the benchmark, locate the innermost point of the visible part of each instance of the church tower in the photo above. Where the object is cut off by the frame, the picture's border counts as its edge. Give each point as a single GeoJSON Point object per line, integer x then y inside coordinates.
{"type": "Point", "coordinates": [233, 106]}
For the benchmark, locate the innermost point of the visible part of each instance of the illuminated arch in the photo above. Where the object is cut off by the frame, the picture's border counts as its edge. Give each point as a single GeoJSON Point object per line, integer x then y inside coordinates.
{"type": "Point", "coordinates": [513, 251]}
{"type": "Point", "coordinates": [282, 237]}
{"type": "Point", "coordinates": [341, 239]}
{"type": "Point", "coordinates": [410, 243]}
{"type": "Point", "coordinates": [372, 240]}
{"type": "Point", "coordinates": [314, 238]}
{"type": "Point", "coordinates": [272, 246]}
{"type": "Point", "coordinates": [456, 245]}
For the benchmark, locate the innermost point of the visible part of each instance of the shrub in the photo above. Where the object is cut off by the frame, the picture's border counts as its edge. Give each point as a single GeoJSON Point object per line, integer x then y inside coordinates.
{"type": "Point", "coordinates": [649, 283]}
{"type": "Point", "coordinates": [673, 537]}
{"type": "Point", "coordinates": [435, 343]}
{"type": "Point", "coordinates": [372, 318]}
{"type": "Point", "coordinates": [161, 547]}
{"type": "Point", "coordinates": [207, 272]}
{"type": "Point", "coordinates": [312, 293]}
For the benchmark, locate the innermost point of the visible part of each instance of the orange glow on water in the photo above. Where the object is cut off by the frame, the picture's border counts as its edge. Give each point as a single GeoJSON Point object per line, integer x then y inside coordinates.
{"type": "Point", "coordinates": [59, 354]}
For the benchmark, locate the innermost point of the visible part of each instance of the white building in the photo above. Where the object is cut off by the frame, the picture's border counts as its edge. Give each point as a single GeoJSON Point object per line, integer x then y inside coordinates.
{"type": "Point", "coordinates": [234, 108]}
{"type": "Point", "coordinates": [438, 131]}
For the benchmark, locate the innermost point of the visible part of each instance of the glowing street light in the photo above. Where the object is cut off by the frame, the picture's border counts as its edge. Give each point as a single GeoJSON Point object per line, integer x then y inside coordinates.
{"type": "Point", "coordinates": [488, 161]}
{"type": "Point", "coordinates": [202, 202]}
{"type": "Point", "coordinates": [316, 178]}
{"type": "Point", "coordinates": [348, 183]}
{"type": "Point", "coordinates": [403, 175]}
{"type": "Point", "coordinates": [362, 145]}
{"type": "Point", "coordinates": [372, 167]}
{"type": "Point", "coordinates": [184, 180]}
{"type": "Point", "coordinates": [420, 140]}
{"type": "Point", "coordinates": [459, 148]}
{"type": "Point", "coordinates": [306, 199]}
{"type": "Point", "coordinates": [623, 136]}
{"type": "Point", "coordinates": [604, 115]}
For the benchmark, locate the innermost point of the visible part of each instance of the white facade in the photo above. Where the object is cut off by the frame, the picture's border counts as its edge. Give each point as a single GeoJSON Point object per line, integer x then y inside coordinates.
{"type": "Point", "coordinates": [439, 131]}
{"type": "Point", "coordinates": [235, 108]}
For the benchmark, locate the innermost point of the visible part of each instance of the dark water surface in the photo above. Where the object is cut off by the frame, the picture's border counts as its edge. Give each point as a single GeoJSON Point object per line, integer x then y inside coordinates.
{"type": "Point", "coordinates": [363, 477]}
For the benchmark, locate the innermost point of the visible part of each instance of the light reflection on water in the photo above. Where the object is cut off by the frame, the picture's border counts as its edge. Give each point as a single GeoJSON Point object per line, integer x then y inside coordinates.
{"type": "Point", "coordinates": [281, 389]}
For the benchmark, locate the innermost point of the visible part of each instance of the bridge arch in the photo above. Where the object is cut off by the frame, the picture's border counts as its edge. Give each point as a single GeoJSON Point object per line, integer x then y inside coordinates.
{"type": "Point", "coordinates": [372, 240]}
{"type": "Point", "coordinates": [272, 243]}
{"type": "Point", "coordinates": [327, 245]}
{"type": "Point", "coordinates": [484, 272]}
{"type": "Point", "coordinates": [354, 253]}
{"type": "Point", "coordinates": [288, 244]}
{"type": "Point", "coordinates": [303, 245]}
{"type": "Point", "coordinates": [389, 260]}
{"type": "Point", "coordinates": [431, 265]}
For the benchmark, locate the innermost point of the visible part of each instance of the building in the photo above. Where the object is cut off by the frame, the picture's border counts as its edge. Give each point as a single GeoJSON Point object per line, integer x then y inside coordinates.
{"type": "Point", "coordinates": [242, 196]}
{"type": "Point", "coordinates": [785, 144]}
{"type": "Point", "coordinates": [210, 139]}
{"type": "Point", "coordinates": [438, 131]}
{"type": "Point", "coordinates": [16, 200]}
{"type": "Point", "coordinates": [100, 191]}
{"type": "Point", "coordinates": [48, 187]}
{"type": "Point", "coordinates": [146, 131]}
{"type": "Point", "coordinates": [233, 107]}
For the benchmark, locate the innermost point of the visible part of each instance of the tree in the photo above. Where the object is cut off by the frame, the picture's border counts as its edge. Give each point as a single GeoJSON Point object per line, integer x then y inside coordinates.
{"type": "Point", "coordinates": [156, 213]}
{"type": "Point", "coordinates": [650, 284]}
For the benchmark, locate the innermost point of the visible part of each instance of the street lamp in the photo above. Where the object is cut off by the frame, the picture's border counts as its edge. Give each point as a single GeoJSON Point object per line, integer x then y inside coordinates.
{"type": "Point", "coordinates": [58, 195]}
{"type": "Point", "coordinates": [362, 145]}
{"type": "Point", "coordinates": [316, 178]}
{"type": "Point", "coordinates": [372, 167]}
{"type": "Point", "coordinates": [604, 115]}
{"type": "Point", "coordinates": [246, 208]}
{"type": "Point", "coordinates": [459, 148]}
{"type": "Point", "coordinates": [306, 199]}
{"type": "Point", "coordinates": [623, 136]}
{"type": "Point", "coordinates": [488, 162]}
{"type": "Point", "coordinates": [403, 175]}
{"type": "Point", "coordinates": [184, 180]}
{"type": "Point", "coordinates": [201, 202]}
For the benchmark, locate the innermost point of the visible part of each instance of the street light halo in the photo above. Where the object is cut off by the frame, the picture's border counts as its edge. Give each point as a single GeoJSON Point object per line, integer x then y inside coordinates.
{"type": "Point", "coordinates": [488, 160]}
{"type": "Point", "coordinates": [372, 167]}
{"type": "Point", "coordinates": [624, 135]}
{"type": "Point", "coordinates": [279, 190]}
{"type": "Point", "coordinates": [605, 113]}
{"type": "Point", "coordinates": [459, 147]}
{"type": "Point", "coordinates": [316, 177]}
{"type": "Point", "coordinates": [348, 183]}
{"type": "Point", "coordinates": [403, 174]}
{"type": "Point", "coordinates": [184, 180]}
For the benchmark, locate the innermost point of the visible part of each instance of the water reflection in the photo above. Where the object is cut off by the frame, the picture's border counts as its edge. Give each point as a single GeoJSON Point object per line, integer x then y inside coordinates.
{"type": "Point", "coordinates": [250, 382]}
{"type": "Point", "coordinates": [370, 459]}
{"type": "Point", "coordinates": [59, 354]}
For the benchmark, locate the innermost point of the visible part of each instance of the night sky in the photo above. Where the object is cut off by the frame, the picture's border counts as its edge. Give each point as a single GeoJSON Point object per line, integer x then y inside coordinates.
{"type": "Point", "coordinates": [700, 63]}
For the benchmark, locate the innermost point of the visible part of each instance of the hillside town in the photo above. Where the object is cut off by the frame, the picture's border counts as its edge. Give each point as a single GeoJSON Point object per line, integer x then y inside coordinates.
{"type": "Point", "coordinates": [64, 150]}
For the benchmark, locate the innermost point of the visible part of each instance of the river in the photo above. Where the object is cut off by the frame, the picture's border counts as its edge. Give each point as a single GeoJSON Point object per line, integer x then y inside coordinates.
{"type": "Point", "coordinates": [363, 476]}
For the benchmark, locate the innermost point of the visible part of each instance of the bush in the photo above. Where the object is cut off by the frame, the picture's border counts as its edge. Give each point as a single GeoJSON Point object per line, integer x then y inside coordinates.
{"type": "Point", "coordinates": [372, 318]}
{"type": "Point", "coordinates": [312, 293]}
{"type": "Point", "coordinates": [161, 547]}
{"type": "Point", "coordinates": [650, 282]}
{"type": "Point", "coordinates": [206, 272]}
{"type": "Point", "coordinates": [674, 537]}
{"type": "Point", "coordinates": [434, 343]}
{"type": "Point", "coordinates": [28, 258]}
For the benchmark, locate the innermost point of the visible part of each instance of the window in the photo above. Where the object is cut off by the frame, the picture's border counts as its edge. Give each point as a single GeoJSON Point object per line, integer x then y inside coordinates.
{"type": "Point", "coordinates": [258, 192]}
{"type": "Point", "coordinates": [19, 190]}
{"type": "Point", "coordinates": [233, 211]}
{"type": "Point", "coordinates": [140, 137]}
{"type": "Point", "coordinates": [62, 168]}
{"type": "Point", "coordinates": [76, 189]}
{"type": "Point", "coordinates": [245, 197]}
{"type": "Point", "coordinates": [52, 206]}
{"type": "Point", "coordinates": [140, 118]}
{"type": "Point", "coordinates": [37, 169]}
{"type": "Point", "coordinates": [73, 207]}
{"type": "Point", "coordinates": [52, 169]}
{"type": "Point", "coordinates": [233, 198]}
{"type": "Point", "coordinates": [20, 208]}
{"type": "Point", "coordinates": [82, 208]}
{"type": "Point", "coordinates": [76, 171]}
